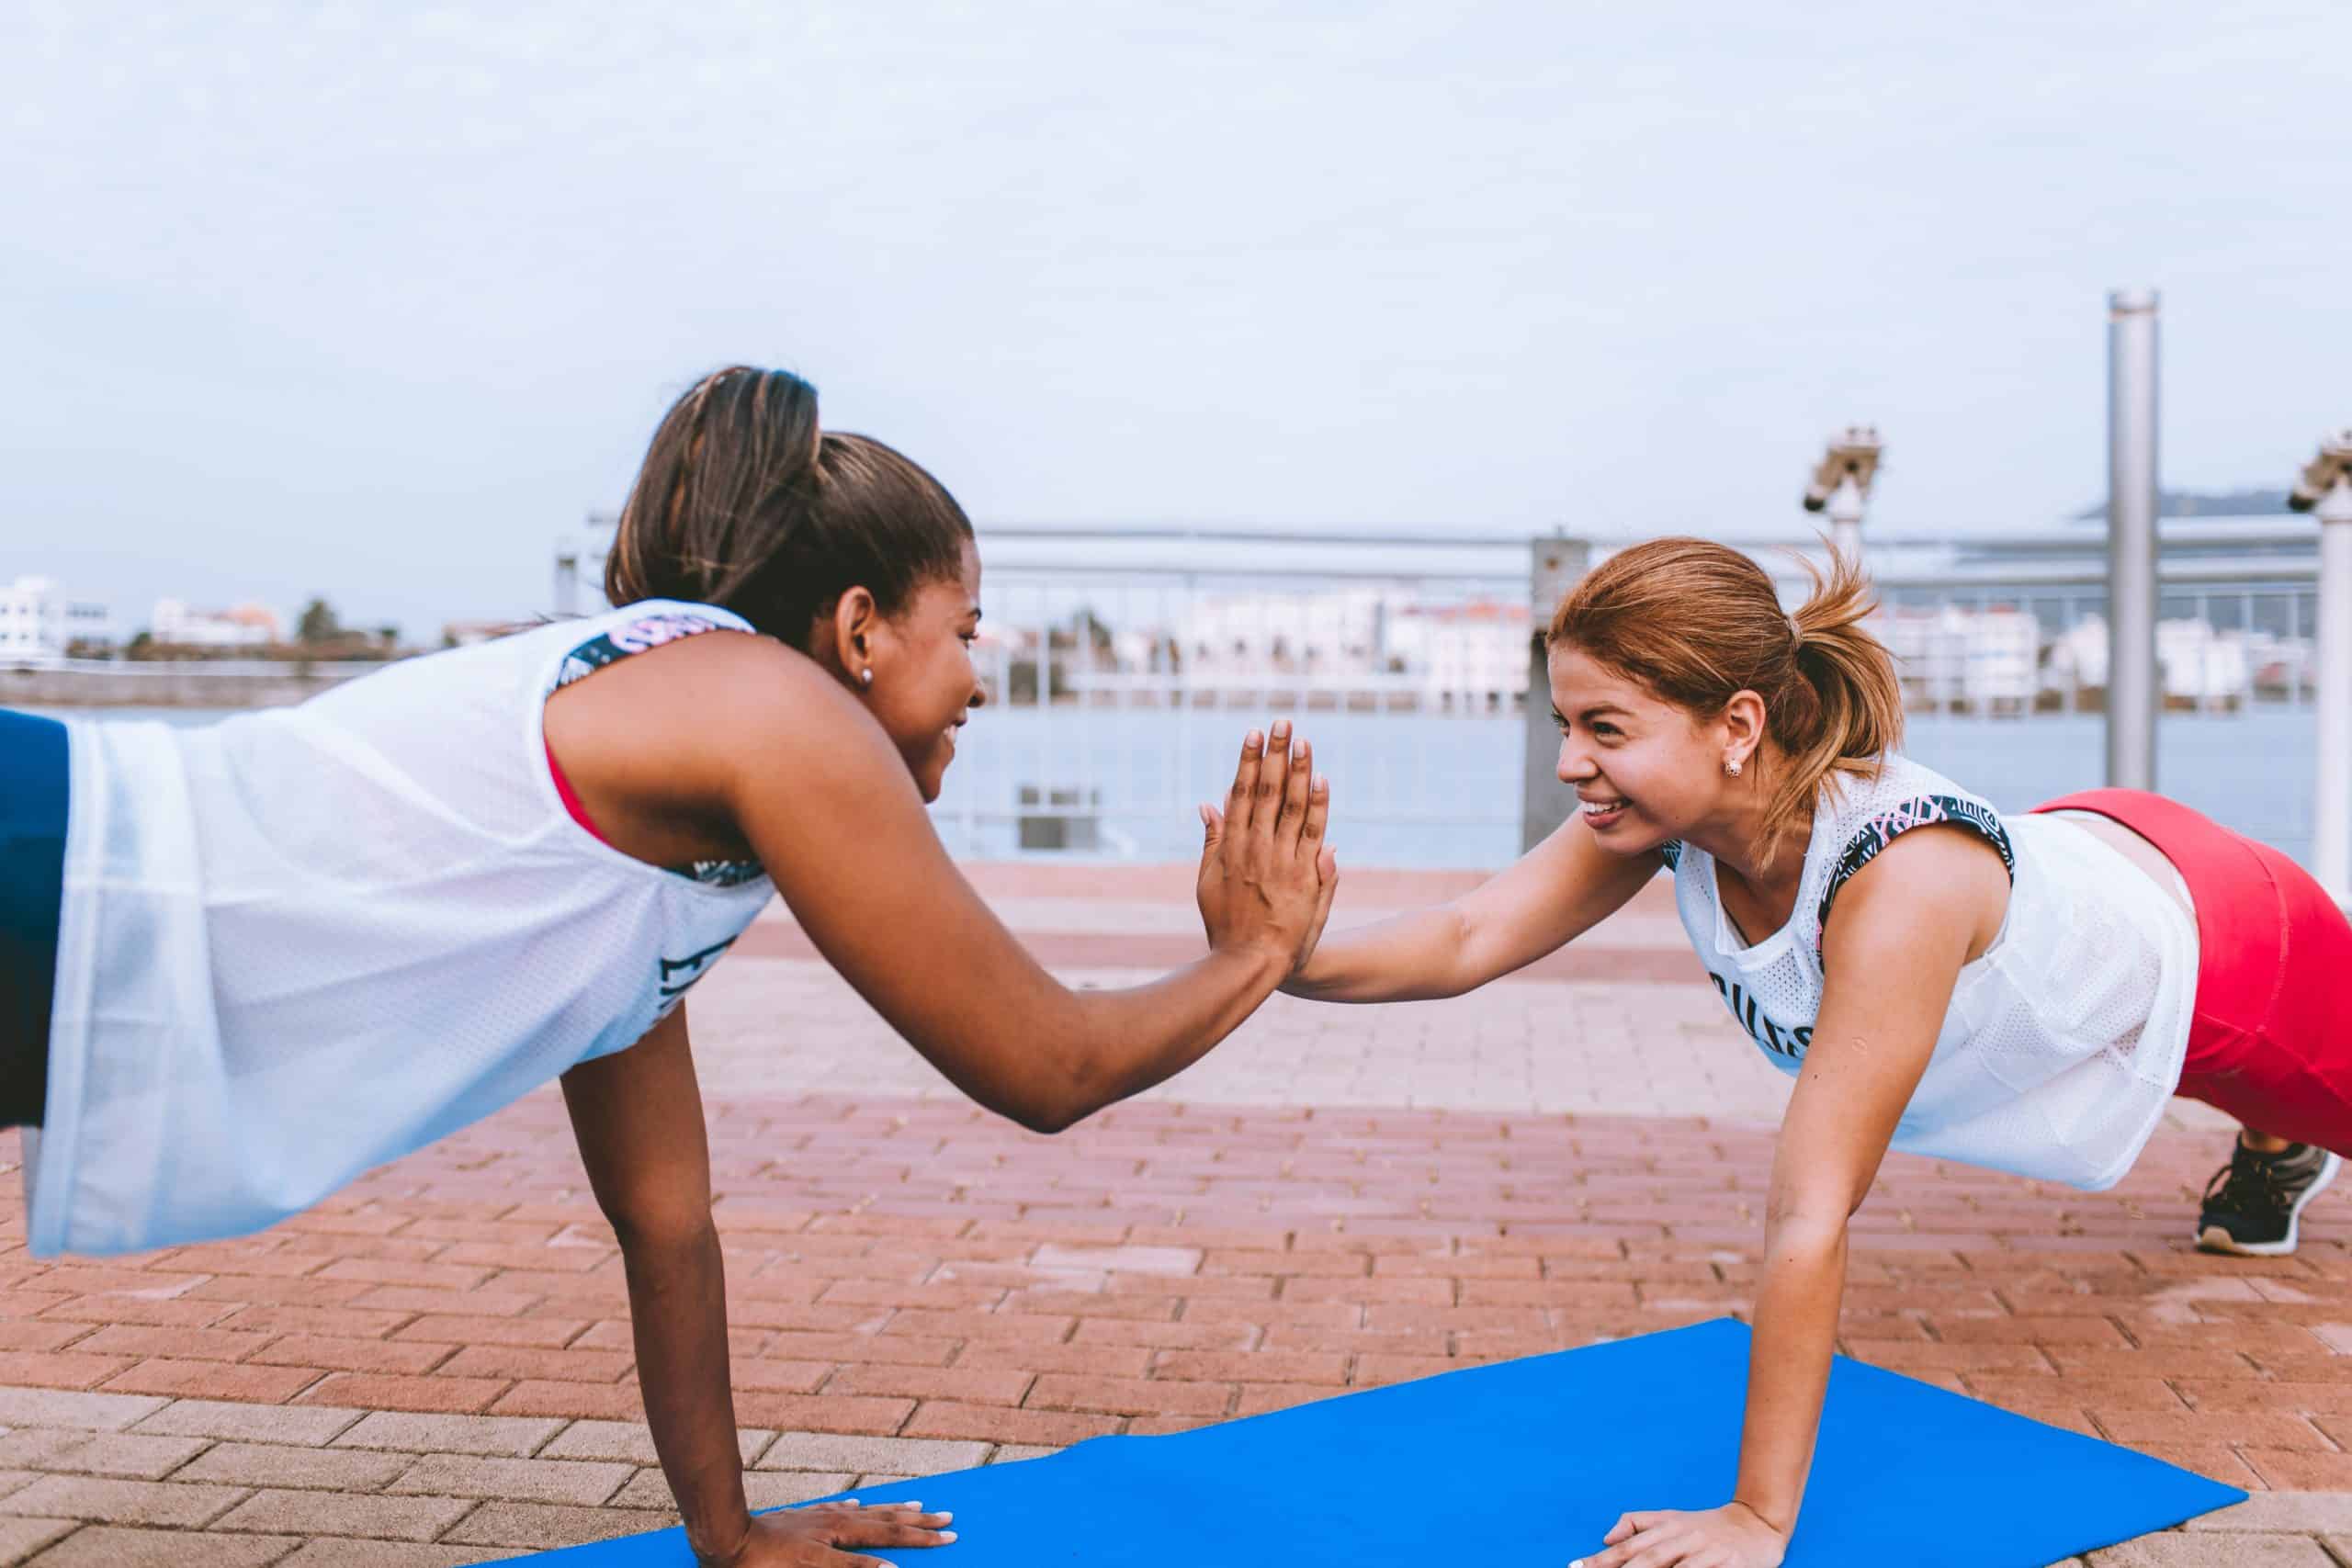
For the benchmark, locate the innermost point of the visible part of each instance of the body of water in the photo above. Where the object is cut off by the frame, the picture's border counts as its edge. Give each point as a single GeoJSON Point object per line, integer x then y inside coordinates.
{"type": "Point", "coordinates": [1433, 791]}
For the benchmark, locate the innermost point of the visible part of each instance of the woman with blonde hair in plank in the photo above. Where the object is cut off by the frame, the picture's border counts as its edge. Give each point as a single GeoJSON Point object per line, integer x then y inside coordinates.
{"type": "Point", "coordinates": [2021, 992]}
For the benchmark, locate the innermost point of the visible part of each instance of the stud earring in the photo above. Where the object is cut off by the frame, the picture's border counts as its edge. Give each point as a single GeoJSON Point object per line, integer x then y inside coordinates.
{"type": "Point", "coordinates": [1731, 766]}
{"type": "Point", "coordinates": [865, 676]}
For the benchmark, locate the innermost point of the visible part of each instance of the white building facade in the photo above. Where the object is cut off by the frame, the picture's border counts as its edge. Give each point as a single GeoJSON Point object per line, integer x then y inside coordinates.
{"type": "Point", "coordinates": [247, 626]}
{"type": "Point", "coordinates": [38, 624]}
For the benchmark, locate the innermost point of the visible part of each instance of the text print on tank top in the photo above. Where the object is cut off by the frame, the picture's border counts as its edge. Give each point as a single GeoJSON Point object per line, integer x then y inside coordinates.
{"type": "Point", "coordinates": [1865, 837]}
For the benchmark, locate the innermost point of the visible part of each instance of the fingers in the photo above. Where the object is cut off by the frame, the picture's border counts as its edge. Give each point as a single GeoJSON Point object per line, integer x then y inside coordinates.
{"type": "Point", "coordinates": [1327, 873]}
{"type": "Point", "coordinates": [1628, 1523]}
{"type": "Point", "coordinates": [1274, 771]}
{"type": "Point", "coordinates": [1212, 829]}
{"type": "Point", "coordinates": [1238, 799]}
{"type": "Point", "coordinates": [889, 1523]}
{"type": "Point", "coordinates": [1623, 1540]}
{"type": "Point", "coordinates": [1299, 789]}
{"type": "Point", "coordinates": [906, 1525]}
{"type": "Point", "coordinates": [1318, 814]}
{"type": "Point", "coordinates": [1662, 1549]}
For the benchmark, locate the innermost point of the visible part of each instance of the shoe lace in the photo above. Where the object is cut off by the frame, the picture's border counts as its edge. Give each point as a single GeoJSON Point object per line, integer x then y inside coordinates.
{"type": "Point", "coordinates": [2248, 1184]}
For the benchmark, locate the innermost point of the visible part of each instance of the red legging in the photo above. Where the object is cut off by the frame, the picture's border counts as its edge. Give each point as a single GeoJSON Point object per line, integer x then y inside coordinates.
{"type": "Point", "coordinates": [2271, 1041]}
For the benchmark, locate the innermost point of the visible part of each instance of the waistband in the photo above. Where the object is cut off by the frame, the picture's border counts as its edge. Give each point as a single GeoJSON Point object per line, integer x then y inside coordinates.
{"type": "Point", "coordinates": [2241, 921]}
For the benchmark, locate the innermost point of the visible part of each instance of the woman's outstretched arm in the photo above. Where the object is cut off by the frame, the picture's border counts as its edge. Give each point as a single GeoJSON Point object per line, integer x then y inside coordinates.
{"type": "Point", "coordinates": [1893, 951]}
{"type": "Point", "coordinates": [1556, 892]}
{"type": "Point", "coordinates": [751, 734]}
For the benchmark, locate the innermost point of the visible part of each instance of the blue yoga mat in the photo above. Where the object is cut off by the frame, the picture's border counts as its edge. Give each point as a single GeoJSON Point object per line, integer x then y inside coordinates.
{"type": "Point", "coordinates": [1529, 1461]}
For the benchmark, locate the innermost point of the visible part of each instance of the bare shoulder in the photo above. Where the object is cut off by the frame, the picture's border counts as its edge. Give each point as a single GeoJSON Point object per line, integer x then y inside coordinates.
{"type": "Point", "coordinates": [1939, 875]}
{"type": "Point", "coordinates": [739, 684]}
{"type": "Point", "coordinates": [708, 728]}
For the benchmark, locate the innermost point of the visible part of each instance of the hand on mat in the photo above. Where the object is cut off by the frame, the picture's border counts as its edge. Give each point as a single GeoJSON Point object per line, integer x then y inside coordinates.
{"type": "Point", "coordinates": [1730, 1536]}
{"type": "Point", "coordinates": [818, 1537]}
{"type": "Point", "coordinates": [1267, 876]}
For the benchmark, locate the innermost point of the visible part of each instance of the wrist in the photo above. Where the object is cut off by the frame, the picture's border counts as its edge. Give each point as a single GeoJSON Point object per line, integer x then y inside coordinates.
{"type": "Point", "coordinates": [1781, 1521]}
{"type": "Point", "coordinates": [718, 1542]}
{"type": "Point", "coordinates": [1265, 963]}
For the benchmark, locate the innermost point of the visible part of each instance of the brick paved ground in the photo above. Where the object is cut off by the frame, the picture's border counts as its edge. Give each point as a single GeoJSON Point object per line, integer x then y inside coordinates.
{"type": "Point", "coordinates": [435, 1368]}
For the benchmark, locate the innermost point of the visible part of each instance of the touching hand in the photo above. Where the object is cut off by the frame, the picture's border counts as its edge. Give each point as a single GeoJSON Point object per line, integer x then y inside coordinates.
{"type": "Point", "coordinates": [1733, 1536]}
{"type": "Point", "coordinates": [815, 1537]}
{"type": "Point", "coordinates": [1267, 876]}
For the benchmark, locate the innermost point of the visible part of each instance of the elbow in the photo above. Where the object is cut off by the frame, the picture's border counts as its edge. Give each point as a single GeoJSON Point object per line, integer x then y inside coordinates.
{"type": "Point", "coordinates": [1047, 1119]}
{"type": "Point", "coordinates": [1804, 1228]}
{"type": "Point", "coordinates": [1467, 971]}
{"type": "Point", "coordinates": [663, 1232]}
{"type": "Point", "coordinates": [1077, 1090]}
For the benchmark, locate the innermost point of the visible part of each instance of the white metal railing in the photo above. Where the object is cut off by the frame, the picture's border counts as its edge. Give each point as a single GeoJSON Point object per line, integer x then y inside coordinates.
{"type": "Point", "coordinates": [1125, 667]}
{"type": "Point", "coordinates": [1112, 717]}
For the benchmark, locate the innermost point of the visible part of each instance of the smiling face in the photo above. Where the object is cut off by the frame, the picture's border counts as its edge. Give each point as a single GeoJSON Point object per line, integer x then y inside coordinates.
{"type": "Point", "coordinates": [924, 685]}
{"type": "Point", "coordinates": [1644, 769]}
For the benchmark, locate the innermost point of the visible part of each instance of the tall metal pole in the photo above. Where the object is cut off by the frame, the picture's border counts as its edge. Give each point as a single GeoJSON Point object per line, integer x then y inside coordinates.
{"type": "Point", "coordinates": [2132, 693]}
{"type": "Point", "coordinates": [1544, 802]}
{"type": "Point", "coordinates": [1846, 519]}
{"type": "Point", "coordinates": [2332, 830]}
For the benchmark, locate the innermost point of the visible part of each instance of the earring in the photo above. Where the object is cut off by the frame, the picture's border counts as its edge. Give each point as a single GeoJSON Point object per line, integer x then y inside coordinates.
{"type": "Point", "coordinates": [1731, 766]}
{"type": "Point", "coordinates": [865, 676]}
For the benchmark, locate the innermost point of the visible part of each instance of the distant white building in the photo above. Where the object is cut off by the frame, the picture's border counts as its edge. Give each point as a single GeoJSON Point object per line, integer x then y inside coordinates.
{"type": "Point", "coordinates": [1462, 656]}
{"type": "Point", "coordinates": [1465, 656]}
{"type": "Point", "coordinates": [39, 623]}
{"type": "Point", "coordinates": [246, 626]}
{"type": "Point", "coordinates": [1980, 661]}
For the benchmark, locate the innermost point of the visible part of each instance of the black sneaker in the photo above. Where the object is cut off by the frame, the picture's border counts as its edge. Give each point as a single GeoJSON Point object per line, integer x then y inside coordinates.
{"type": "Point", "coordinates": [2254, 1203]}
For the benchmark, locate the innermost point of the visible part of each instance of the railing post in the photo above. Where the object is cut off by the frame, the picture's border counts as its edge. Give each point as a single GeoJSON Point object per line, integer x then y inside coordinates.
{"type": "Point", "coordinates": [2133, 694]}
{"type": "Point", "coordinates": [1554, 566]}
{"type": "Point", "coordinates": [2332, 808]}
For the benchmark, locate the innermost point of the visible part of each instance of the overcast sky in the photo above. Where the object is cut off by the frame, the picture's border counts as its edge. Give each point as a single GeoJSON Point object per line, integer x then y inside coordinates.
{"type": "Point", "coordinates": [373, 300]}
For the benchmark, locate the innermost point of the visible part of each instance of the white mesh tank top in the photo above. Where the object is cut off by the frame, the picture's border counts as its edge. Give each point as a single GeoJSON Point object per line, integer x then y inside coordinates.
{"type": "Point", "coordinates": [299, 944]}
{"type": "Point", "coordinates": [2064, 1039]}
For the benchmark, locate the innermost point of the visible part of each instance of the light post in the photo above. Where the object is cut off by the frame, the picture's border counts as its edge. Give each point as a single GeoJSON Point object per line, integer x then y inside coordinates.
{"type": "Point", "coordinates": [2325, 491]}
{"type": "Point", "coordinates": [1841, 486]}
{"type": "Point", "coordinates": [2132, 696]}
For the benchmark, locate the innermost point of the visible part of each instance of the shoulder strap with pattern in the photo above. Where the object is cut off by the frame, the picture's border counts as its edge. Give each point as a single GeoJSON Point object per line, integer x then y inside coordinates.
{"type": "Point", "coordinates": [1882, 826]}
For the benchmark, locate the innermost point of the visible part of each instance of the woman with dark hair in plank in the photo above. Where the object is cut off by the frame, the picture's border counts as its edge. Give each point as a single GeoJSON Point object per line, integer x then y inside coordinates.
{"type": "Point", "coordinates": [241, 963]}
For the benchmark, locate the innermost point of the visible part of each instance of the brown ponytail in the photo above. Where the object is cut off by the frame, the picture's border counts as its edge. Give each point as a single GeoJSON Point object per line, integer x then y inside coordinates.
{"type": "Point", "coordinates": [743, 501]}
{"type": "Point", "coordinates": [1696, 622]}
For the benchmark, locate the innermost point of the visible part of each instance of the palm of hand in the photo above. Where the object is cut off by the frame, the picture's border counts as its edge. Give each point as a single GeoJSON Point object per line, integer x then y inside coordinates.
{"type": "Point", "coordinates": [1266, 876]}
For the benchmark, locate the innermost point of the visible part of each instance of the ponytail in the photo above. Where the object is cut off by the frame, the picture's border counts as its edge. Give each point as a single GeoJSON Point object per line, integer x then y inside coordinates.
{"type": "Point", "coordinates": [744, 503]}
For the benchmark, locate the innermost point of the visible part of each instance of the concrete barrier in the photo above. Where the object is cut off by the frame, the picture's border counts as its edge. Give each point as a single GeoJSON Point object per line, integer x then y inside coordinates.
{"type": "Point", "coordinates": [169, 685]}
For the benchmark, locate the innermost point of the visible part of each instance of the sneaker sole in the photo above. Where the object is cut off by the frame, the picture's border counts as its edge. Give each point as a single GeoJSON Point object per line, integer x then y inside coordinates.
{"type": "Point", "coordinates": [2213, 1238]}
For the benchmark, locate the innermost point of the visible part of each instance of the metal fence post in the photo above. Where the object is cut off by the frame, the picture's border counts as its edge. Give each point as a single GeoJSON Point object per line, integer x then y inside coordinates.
{"type": "Point", "coordinates": [2133, 694]}
{"type": "Point", "coordinates": [1554, 566]}
{"type": "Point", "coordinates": [2332, 808]}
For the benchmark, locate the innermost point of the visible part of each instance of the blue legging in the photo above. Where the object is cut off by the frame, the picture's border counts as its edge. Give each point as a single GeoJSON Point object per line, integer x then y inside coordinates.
{"type": "Point", "coordinates": [32, 866]}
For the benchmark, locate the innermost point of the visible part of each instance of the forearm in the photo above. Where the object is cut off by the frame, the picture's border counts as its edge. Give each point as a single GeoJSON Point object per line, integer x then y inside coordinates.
{"type": "Point", "coordinates": [1410, 957]}
{"type": "Point", "coordinates": [1796, 1335]}
{"type": "Point", "coordinates": [677, 1296]}
{"type": "Point", "coordinates": [1121, 1043]}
